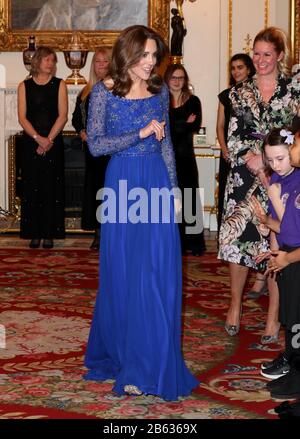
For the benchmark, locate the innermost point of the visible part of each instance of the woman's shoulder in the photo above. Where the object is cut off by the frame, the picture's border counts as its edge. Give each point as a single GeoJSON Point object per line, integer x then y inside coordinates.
{"type": "Point", "coordinates": [193, 99]}
{"type": "Point", "coordinates": [164, 91]}
{"type": "Point", "coordinates": [56, 79]}
{"type": "Point", "coordinates": [104, 87]}
{"type": "Point", "coordinates": [224, 94]}
{"type": "Point", "coordinates": [192, 102]}
{"type": "Point", "coordinates": [243, 90]}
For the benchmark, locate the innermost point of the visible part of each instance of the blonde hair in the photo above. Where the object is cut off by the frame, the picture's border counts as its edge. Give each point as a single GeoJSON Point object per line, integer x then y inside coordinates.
{"type": "Point", "coordinates": [92, 76]}
{"type": "Point", "coordinates": [281, 43]}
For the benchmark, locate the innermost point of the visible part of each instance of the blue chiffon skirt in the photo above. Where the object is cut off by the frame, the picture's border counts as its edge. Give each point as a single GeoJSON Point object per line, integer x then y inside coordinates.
{"type": "Point", "coordinates": [135, 337]}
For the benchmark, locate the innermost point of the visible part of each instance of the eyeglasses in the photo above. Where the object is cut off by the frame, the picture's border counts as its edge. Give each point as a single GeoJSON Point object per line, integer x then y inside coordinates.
{"type": "Point", "coordinates": [177, 78]}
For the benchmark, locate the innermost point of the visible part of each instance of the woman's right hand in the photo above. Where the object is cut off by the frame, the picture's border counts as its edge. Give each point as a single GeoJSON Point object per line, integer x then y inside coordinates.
{"type": "Point", "coordinates": [253, 162]}
{"type": "Point", "coordinates": [83, 135]}
{"type": "Point", "coordinates": [44, 145]}
{"type": "Point", "coordinates": [262, 256]}
{"type": "Point", "coordinates": [154, 127]}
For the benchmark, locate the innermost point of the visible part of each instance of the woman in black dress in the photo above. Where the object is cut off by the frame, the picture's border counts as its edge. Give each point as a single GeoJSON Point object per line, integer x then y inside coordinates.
{"type": "Point", "coordinates": [42, 112]}
{"type": "Point", "coordinates": [95, 167]}
{"type": "Point", "coordinates": [185, 120]}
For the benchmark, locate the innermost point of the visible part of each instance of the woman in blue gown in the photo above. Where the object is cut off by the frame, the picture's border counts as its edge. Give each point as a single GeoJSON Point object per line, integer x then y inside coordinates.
{"type": "Point", "coordinates": [136, 328]}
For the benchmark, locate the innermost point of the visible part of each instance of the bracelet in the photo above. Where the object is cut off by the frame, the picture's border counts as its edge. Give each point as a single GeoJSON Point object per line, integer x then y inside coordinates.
{"type": "Point", "coordinates": [35, 136]}
{"type": "Point", "coordinates": [51, 139]}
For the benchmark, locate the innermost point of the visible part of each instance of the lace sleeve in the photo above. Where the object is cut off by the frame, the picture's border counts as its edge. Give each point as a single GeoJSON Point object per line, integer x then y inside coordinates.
{"type": "Point", "coordinates": [166, 145]}
{"type": "Point", "coordinates": [98, 141]}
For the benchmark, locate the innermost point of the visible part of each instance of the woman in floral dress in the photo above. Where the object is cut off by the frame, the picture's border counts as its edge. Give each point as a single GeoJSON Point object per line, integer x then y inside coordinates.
{"type": "Point", "coordinates": [269, 99]}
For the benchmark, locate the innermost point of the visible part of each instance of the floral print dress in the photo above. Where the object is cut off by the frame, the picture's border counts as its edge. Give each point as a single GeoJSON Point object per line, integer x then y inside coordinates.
{"type": "Point", "coordinates": [251, 119]}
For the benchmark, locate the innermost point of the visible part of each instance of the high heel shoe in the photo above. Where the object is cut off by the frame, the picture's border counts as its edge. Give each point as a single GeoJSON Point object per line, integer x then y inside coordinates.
{"type": "Point", "coordinates": [95, 244]}
{"type": "Point", "coordinates": [132, 390]}
{"type": "Point", "coordinates": [268, 339]}
{"type": "Point", "coordinates": [233, 330]}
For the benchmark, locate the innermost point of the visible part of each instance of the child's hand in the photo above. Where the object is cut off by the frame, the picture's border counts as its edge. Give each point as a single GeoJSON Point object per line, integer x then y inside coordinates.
{"type": "Point", "coordinates": [274, 191]}
{"type": "Point", "coordinates": [259, 211]}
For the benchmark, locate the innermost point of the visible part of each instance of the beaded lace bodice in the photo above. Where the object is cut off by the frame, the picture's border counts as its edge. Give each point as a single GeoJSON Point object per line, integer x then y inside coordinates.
{"type": "Point", "coordinates": [114, 124]}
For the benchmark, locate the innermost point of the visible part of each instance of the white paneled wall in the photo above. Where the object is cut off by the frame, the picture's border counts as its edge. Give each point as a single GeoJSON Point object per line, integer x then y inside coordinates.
{"type": "Point", "coordinates": [205, 46]}
{"type": "Point", "coordinates": [213, 26]}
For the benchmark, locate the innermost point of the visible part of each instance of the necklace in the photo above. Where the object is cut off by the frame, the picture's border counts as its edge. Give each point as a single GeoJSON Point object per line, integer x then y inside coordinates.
{"type": "Point", "coordinates": [42, 81]}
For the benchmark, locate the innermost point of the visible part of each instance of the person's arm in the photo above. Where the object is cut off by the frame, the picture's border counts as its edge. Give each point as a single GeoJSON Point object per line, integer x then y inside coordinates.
{"type": "Point", "coordinates": [274, 193]}
{"type": "Point", "coordinates": [62, 111]}
{"type": "Point", "coordinates": [43, 143]}
{"type": "Point", "coordinates": [262, 217]}
{"type": "Point", "coordinates": [220, 130]}
{"type": "Point", "coordinates": [77, 119]}
{"type": "Point", "coordinates": [99, 142]}
{"type": "Point", "coordinates": [166, 145]}
{"type": "Point", "coordinates": [23, 121]}
{"type": "Point", "coordinates": [194, 119]}
{"type": "Point", "coordinates": [280, 259]}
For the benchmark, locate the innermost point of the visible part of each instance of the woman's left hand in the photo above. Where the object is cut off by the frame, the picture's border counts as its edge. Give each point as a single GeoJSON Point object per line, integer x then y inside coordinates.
{"type": "Point", "coordinates": [253, 162]}
{"type": "Point", "coordinates": [44, 145]}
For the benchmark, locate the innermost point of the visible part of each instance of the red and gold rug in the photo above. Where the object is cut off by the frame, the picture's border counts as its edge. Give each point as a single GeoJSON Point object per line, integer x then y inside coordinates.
{"type": "Point", "coordinates": [47, 300]}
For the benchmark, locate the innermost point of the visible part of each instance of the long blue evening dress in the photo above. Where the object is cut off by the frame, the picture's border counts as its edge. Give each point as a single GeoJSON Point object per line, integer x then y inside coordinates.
{"type": "Point", "coordinates": [136, 328]}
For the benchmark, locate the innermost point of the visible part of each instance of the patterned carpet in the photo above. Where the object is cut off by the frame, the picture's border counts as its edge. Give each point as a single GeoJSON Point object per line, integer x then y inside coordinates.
{"type": "Point", "coordinates": [47, 299]}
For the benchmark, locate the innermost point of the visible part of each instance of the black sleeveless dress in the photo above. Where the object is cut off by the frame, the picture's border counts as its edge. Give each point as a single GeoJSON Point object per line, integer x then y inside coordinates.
{"type": "Point", "coordinates": [186, 165]}
{"type": "Point", "coordinates": [42, 196]}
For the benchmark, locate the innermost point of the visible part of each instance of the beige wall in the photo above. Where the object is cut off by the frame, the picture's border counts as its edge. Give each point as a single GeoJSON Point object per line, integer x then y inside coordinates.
{"type": "Point", "coordinates": [205, 46]}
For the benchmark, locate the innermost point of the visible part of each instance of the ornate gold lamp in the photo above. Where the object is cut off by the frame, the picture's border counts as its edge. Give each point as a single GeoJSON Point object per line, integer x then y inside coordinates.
{"type": "Point", "coordinates": [28, 53]}
{"type": "Point", "coordinates": [75, 56]}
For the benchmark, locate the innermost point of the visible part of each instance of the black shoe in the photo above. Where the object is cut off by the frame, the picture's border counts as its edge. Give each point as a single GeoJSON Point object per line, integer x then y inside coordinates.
{"type": "Point", "coordinates": [288, 409]}
{"type": "Point", "coordinates": [47, 243]}
{"type": "Point", "coordinates": [276, 368]}
{"type": "Point", "coordinates": [278, 382]}
{"type": "Point", "coordinates": [35, 243]}
{"type": "Point", "coordinates": [95, 244]}
{"type": "Point", "coordinates": [289, 387]}
{"type": "Point", "coordinates": [199, 252]}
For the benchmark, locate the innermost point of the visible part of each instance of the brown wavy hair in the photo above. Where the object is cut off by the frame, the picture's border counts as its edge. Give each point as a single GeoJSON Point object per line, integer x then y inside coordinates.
{"type": "Point", "coordinates": [185, 91]}
{"type": "Point", "coordinates": [280, 41]}
{"type": "Point", "coordinates": [41, 52]}
{"type": "Point", "coordinates": [127, 52]}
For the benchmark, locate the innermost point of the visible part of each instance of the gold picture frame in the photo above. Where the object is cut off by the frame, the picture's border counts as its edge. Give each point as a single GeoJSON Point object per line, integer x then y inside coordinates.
{"type": "Point", "coordinates": [15, 40]}
{"type": "Point", "coordinates": [295, 29]}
